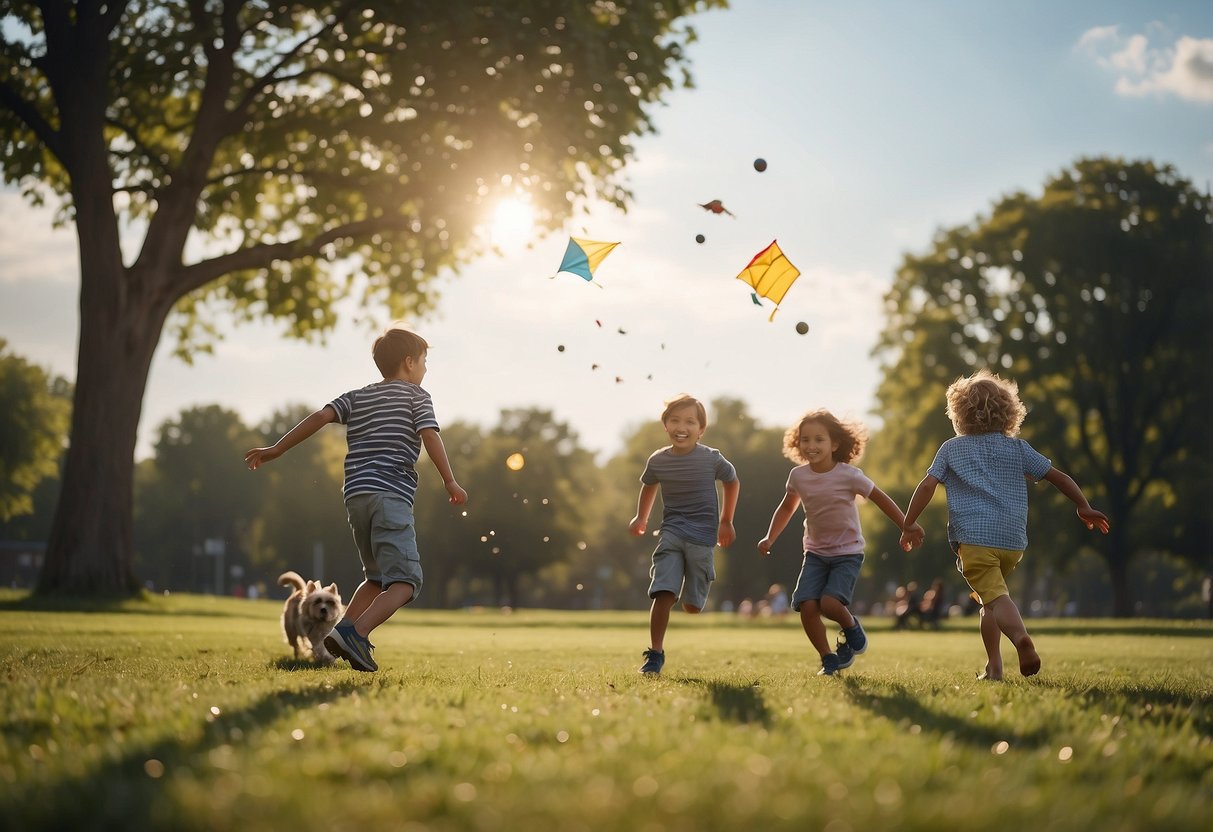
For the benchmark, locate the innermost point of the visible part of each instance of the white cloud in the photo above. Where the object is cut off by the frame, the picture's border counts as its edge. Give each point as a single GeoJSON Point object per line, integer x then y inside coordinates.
{"type": "Point", "coordinates": [1184, 68]}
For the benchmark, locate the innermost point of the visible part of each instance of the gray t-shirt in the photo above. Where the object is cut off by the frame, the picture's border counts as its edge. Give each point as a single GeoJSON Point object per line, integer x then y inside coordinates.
{"type": "Point", "coordinates": [688, 490]}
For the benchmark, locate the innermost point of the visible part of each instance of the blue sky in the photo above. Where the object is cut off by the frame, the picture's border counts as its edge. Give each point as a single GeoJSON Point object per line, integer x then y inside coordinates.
{"type": "Point", "coordinates": [880, 121]}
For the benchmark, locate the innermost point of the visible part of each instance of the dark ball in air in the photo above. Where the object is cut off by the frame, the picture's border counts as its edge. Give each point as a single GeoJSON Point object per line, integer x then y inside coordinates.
{"type": "Point", "coordinates": [561, 348]}
{"type": "Point", "coordinates": [699, 238]}
{"type": "Point", "coordinates": [802, 328]}
{"type": "Point", "coordinates": [760, 165]}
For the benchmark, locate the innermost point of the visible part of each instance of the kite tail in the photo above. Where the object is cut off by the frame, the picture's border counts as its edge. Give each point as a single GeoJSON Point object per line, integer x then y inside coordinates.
{"type": "Point", "coordinates": [772, 318]}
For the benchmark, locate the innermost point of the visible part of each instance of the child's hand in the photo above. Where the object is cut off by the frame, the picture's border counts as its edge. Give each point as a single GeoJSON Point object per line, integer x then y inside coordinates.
{"type": "Point", "coordinates": [255, 457]}
{"type": "Point", "coordinates": [911, 536]}
{"type": "Point", "coordinates": [456, 495]}
{"type": "Point", "coordinates": [764, 546]}
{"type": "Point", "coordinates": [1093, 519]}
{"type": "Point", "coordinates": [637, 526]}
{"type": "Point", "coordinates": [727, 534]}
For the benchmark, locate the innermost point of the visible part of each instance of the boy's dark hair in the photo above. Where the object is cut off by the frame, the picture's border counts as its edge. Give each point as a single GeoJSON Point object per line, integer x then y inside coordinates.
{"type": "Point", "coordinates": [850, 436]}
{"type": "Point", "coordinates": [681, 401]}
{"type": "Point", "coordinates": [395, 345]}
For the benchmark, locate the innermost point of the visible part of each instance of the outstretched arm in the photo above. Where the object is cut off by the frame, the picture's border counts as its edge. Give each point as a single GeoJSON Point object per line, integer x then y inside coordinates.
{"type": "Point", "coordinates": [911, 533]}
{"type": "Point", "coordinates": [437, 454]}
{"type": "Point", "coordinates": [1091, 518]}
{"type": "Point", "coordinates": [314, 422]}
{"type": "Point", "coordinates": [779, 521]}
{"type": "Point", "coordinates": [644, 507]}
{"type": "Point", "coordinates": [726, 534]}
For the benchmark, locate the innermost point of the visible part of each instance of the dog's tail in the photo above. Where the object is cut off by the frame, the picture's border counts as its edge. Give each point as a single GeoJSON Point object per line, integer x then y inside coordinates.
{"type": "Point", "coordinates": [292, 579]}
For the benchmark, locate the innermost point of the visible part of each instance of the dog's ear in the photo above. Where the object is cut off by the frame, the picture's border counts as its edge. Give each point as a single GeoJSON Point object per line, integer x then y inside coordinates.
{"type": "Point", "coordinates": [332, 588]}
{"type": "Point", "coordinates": [311, 587]}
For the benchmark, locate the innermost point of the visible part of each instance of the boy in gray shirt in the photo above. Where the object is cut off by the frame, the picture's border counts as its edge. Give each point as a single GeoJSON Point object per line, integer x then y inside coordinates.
{"type": "Point", "coordinates": [691, 527]}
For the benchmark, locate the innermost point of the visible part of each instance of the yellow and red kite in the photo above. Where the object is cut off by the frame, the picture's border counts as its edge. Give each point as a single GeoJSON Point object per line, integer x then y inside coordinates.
{"type": "Point", "coordinates": [771, 274]}
{"type": "Point", "coordinates": [582, 257]}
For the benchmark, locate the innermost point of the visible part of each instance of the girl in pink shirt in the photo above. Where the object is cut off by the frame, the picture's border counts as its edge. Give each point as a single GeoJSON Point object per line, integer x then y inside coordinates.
{"type": "Point", "coordinates": [826, 485]}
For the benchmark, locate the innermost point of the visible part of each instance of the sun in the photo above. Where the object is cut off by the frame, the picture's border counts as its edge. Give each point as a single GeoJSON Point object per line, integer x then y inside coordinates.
{"type": "Point", "coordinates": [513, 222]}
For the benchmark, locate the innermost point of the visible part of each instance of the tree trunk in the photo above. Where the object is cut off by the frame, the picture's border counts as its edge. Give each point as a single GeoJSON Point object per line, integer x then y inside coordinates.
{"type": "Point", "coordinates": [90, 550]}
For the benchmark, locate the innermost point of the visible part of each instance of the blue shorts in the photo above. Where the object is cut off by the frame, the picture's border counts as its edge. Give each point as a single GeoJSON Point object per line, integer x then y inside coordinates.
{"type": "Point", "coordinates": [383, 530]}
{"type": "Point", "coordinates": [834, 576]}
{"type": "Point", "coordinates": [683, 568]}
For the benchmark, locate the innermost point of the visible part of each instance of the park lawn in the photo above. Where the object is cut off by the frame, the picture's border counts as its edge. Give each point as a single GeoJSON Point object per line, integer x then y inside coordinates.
{"type": "Point", "coordinates": [187, 712]}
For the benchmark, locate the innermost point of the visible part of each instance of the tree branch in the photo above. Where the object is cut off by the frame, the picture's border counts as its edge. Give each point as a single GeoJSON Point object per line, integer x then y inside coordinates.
{"type": "Point", "coordinates": [33, 119]}
{"type": "Point", "coordinates": [266, 254]}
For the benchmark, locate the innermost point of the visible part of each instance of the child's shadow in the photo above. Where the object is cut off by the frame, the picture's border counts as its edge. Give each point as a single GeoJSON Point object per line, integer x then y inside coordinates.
{"type": "Point", "coordinates": [128, 792]}
{"type": "Point", "coordinates": [736, 702]}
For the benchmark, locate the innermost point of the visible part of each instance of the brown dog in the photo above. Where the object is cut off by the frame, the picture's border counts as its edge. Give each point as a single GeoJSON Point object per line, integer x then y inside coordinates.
{"type": "Point", "coordinates": [308, 616]}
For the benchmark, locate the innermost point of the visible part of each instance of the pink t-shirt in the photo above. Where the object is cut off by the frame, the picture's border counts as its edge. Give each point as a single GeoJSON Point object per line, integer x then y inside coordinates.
{"type": "Point", "coordinates": [831, 518]}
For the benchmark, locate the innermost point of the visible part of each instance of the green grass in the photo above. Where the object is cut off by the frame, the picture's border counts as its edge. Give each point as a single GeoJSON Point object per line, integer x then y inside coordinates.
{"type": "Point", "coordinates": [188, 713]}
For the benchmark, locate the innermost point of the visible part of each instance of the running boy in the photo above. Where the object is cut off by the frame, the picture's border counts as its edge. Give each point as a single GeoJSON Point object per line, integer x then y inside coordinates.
{"type": "Point", "coordinates": [686, 472]}
{"type": "Point", "coordinates": [985, 471]}
{"type": "Point", "coordinates": [826, 485]}
{"type": "Point", "coordinates": [386, 424]}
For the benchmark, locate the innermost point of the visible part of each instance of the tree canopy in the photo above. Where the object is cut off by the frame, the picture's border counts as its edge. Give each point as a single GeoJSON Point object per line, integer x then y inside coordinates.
{"type": "Point", "coordinates": [252, 147]}
{"type": "Point", "coordinates": [1095, 296]}
{"type": "Point", "coordinates": [34, 410]}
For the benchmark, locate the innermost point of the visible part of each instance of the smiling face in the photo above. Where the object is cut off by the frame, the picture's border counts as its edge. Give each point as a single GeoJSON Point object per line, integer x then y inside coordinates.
{"type": "Point", "coordinates": [817, 446]}
{"type": "Point", "coordinates": [684, 428]}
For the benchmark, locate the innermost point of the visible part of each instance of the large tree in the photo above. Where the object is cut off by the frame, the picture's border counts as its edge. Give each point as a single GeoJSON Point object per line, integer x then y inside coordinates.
{"type": "Point", "coordinates": [1095, 295]}
{"type": "Point", "coordinates": [249, 145]}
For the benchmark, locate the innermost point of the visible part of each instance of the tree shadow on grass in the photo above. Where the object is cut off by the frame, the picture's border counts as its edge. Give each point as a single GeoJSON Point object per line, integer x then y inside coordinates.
{"type": "Point", "coordinates": [735, 702]}
{"type": "Point", "coordinates": [127, 792]}
{"type": "Point", "coordinates": [896, 703]}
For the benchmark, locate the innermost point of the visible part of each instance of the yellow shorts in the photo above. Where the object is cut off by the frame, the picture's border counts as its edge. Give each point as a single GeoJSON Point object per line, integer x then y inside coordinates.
{"type": "Point", "coordinates": [985, 568]}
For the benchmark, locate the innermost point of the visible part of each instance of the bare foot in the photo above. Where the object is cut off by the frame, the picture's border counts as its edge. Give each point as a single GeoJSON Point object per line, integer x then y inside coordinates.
{"type": "Point", "coordinates": [1029, 659]}
{"type": "Point", "coordinates": [988, 675]}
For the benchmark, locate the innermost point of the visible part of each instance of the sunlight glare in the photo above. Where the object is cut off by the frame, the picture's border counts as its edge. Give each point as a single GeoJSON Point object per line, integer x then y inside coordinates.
{"type": "Point", "coordinates": [513, 222]}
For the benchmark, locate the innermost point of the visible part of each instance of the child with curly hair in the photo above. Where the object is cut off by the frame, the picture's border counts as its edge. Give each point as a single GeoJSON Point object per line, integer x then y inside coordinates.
{"type": "Point", "coordinates": [985, 471]}
{"type": "Point", "coordinates": [825, 484]}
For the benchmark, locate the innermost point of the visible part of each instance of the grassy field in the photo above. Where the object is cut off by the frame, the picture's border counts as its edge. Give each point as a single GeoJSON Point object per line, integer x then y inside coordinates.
{"type": "Point", "coordinates": [188, 713]}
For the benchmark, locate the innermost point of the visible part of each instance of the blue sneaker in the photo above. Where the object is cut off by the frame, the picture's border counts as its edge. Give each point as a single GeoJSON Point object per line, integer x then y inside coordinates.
{"type": "Point", "coordinates": [846, 656]}
{"type": "Point", "coordinates": [829, 665]}
{"type": "Point", "coordinates": [345, 642]}
{"type": "Point", "coordinates": [856, 638]}
{"type": "Point", "coordinates": [653, 661]}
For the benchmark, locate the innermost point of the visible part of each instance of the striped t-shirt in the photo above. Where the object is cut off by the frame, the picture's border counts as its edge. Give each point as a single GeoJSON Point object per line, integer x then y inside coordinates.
{"type": "Point", "coordinates": [688, 490]}
{"type": "Point", "coordinates": [383, 430]}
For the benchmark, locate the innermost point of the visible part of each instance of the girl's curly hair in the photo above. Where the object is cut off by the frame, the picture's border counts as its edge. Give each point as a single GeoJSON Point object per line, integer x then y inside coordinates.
{"type": "Point", "coordinates": [985, 403]}
{"type": "Point", "coordinates": [850, 436]}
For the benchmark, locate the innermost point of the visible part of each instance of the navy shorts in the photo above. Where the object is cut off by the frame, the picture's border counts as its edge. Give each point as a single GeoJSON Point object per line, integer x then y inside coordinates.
{"type": "Point", "coordinates": [834, 576]}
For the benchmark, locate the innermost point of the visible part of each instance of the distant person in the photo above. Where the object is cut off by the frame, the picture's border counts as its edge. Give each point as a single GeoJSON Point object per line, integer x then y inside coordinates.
{"type": "Point", "coordinates": [692, 524]}
{"type": "Point", "coordinates": [826, 486]}
{"type": "Point", "coordinates": [905, 605]}
{"type": "Point", "coordinates": [387, 423]}
{"type": "Point", "coordinates": [985, 471]}
{"type": "Point", "coordinates": [934, 606]}
{"type": "Point", "coordinates": [777, 600]}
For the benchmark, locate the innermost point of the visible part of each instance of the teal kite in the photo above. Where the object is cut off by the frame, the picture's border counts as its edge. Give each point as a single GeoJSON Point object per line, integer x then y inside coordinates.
{"type": "Point", "coordinates": [582, 257]}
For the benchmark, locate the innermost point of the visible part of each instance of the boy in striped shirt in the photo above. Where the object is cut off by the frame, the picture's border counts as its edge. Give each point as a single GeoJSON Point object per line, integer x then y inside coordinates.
{"type": "Point", "coordinates": [387, 423]}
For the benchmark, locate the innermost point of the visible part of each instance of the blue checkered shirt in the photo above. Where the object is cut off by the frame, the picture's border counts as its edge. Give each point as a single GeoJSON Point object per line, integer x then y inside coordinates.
{"type": "Point", "coordinates": [984, 475]}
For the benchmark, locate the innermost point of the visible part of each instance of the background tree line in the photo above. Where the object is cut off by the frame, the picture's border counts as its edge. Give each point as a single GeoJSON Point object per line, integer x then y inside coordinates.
{"type": "Point", "coordinates": [552, 534]}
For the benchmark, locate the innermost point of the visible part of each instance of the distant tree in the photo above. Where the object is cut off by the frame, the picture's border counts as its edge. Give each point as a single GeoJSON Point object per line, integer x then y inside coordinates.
{"type": "Point", "coordinates": [1096, 297]}
{"type": "Point", "coordinates": [196, 489]}
{"type": "Point", "coordinates": [528, 517]}
{"type": "Point", "coordinates": [34, 412]}
{"type": "Point", "coordinates": [254, 144]}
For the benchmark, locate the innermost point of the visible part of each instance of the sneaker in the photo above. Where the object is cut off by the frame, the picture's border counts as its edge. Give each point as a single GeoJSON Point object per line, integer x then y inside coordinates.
{"type": "Point", "coordinates": [653, 661]}
{"type": "Point", "coordinates": [345, 642]}
{"type": "Point", "coordinates": [846, 656]}
{"type": "Point", "coordinates": [856, 638]}
{"type": "Point", "coordinates": [829, 665]}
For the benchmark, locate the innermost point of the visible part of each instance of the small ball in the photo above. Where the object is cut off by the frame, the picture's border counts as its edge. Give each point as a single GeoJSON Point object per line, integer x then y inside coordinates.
{"type": "Point", "coordinates": [802, 328]}
{"type": "Point", "coordinates": [760, 165]}
{"type": "Point", "coordinates": [561, 347]}
{"type": "Point", "coordinates": [699, 238]}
